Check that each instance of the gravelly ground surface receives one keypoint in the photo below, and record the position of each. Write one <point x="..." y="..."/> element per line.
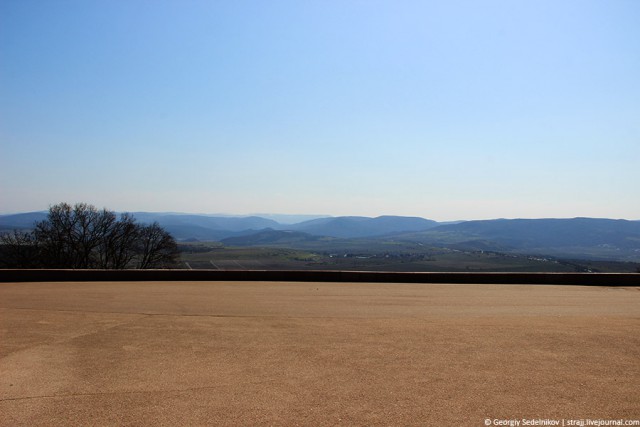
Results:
<point x="259" y="353"/>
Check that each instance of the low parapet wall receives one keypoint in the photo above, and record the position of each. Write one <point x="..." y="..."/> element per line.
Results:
<point x="583" y="279"/>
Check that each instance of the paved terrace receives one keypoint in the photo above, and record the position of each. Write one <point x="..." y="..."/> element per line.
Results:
<point x="301" y="353"/>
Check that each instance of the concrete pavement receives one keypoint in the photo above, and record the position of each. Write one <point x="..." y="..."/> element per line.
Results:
<point x="274" y="353"/>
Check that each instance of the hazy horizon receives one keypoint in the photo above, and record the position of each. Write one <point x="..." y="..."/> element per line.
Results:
<point x="443" y="110"/>
<point x="288" y="218"/>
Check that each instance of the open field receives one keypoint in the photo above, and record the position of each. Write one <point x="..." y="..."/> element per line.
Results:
<point x="374" y="256"/>
<point x="274" y="353"/>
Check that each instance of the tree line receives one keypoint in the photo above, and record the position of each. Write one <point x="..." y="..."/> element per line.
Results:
<point x="82" y="236"/>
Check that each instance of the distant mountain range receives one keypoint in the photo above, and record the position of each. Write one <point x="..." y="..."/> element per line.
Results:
<point x="585" y="238"/>
<point x="360" y="226"/>
<point x="21" y="221"/>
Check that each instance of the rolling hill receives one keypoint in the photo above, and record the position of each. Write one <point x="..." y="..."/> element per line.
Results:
<point x="271" y="237"/>
<point x="580" y="238"/>
<point x="589" y="238"/>
<point x="232" y="223"/>
<point x="21" y="221"/>
<point x="203" y="227"/>
<point x="359" y="226"/>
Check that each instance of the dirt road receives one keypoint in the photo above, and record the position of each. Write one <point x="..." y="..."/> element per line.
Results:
<point x="271" y="353"/>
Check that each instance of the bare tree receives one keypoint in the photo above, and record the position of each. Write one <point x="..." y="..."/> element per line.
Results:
<point x="19" y="249"/>
<point x="156" y="248"/>
<point x="70" y="235"/>
<point x="118" y="247"/>
<point x="82" y="236"/>
<point x="54" y="236"/>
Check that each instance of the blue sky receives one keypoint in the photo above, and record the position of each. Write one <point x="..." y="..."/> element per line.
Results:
<point x="445" y="109"/>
